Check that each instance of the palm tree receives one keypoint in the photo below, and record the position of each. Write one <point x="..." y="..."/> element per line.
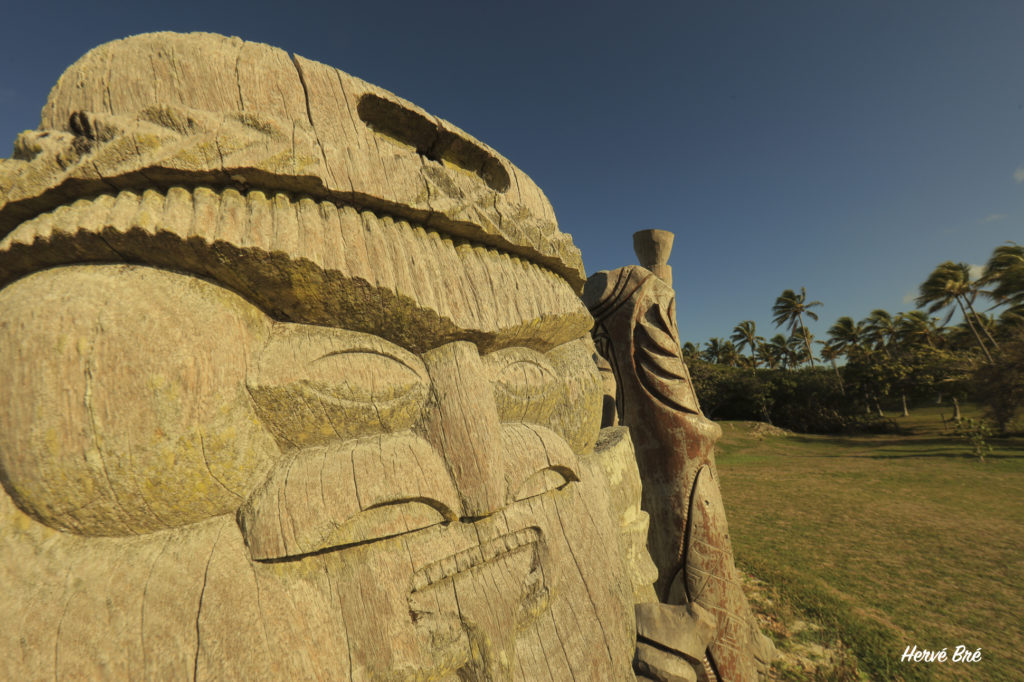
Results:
<point x="846" y="335"/>
<point x="951" y="283"/>
<point x="985" y="323"/>
<point x="789" y="309"/>
<point x="797" y="344"/>
<point x="728" y="355"/>
<point x="767" y="354"/>
<point x="777" y="346"/>
<point x="1012" y="318"/>
<point x="744" y="335"/>
<point x="917" y="327"/>
<point x="712" y="350"/>
<point x="830" y="353"/>
<point x="1006" y="269"/>
<point x="880" y="330"/>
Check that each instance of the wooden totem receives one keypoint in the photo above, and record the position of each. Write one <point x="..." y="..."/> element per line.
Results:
<point x="295" y="383"/>
<point x="635" y="332"/>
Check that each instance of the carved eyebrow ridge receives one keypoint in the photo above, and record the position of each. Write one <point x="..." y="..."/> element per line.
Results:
<point x="160" y="228"/>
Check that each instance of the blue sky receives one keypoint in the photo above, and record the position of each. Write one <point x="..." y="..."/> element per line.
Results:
<point x="846" y="147"/>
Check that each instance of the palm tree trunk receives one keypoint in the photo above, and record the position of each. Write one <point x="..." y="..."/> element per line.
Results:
<point x="807" y="340"/>
<point x="971" y="306"/>
<point x="973" y="330"/>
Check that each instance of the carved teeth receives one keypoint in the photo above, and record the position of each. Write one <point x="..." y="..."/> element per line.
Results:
<point x="434" y="572"/>
<point x="491" y="550"/>
<point x="419" y="581"/>
<point x="472" y="557"/>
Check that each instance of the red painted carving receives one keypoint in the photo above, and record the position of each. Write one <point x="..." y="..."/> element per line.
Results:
<point x="636" y="333"/>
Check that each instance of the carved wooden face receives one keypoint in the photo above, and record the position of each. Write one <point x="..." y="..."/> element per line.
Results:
<point x="352" y="374"/>
<point x="445" y="494"/>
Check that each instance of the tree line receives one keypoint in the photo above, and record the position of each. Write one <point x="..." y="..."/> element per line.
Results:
<point x="906" y="357"/>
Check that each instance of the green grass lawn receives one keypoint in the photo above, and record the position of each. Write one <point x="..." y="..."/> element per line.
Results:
<point x="885" y="541"/>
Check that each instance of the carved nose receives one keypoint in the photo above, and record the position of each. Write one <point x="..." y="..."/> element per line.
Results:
<point x="463" y="425"/>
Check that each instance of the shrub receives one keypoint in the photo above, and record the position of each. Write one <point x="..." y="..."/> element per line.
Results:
<point x="976" y="433"/>
<point x="806" y="400"/>
<point x="999" y="386"/>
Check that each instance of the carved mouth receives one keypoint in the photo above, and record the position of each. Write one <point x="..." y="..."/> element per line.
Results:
<point x="471" y="607"/>
<point x="468" y="559"/>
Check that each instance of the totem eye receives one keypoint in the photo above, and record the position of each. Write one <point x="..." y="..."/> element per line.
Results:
<point x="526" y="385"/>
<point x="314" y="385"/>
<point x="521" y="370"/>
<point x="524" y="374"/>
<point x="363" y="376"/>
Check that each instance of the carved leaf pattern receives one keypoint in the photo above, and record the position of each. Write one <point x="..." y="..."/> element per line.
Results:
<point x="658" y="360"/>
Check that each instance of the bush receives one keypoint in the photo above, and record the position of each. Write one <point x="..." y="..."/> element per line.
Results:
<point x="976" y="433"/>
<point x="729" y="392"/>
<point x="999" y="386"/>
<point x="805" y="400"/>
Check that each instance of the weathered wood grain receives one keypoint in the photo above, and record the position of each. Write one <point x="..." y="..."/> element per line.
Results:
<point x="295" y="384"/>
<point x="195" y="109"/>
<point x="689" y="542"/>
